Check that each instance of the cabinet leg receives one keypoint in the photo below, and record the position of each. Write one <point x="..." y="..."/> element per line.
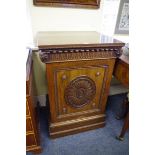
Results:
<point x="124" y="110"/>
<point x="125" y="127"/>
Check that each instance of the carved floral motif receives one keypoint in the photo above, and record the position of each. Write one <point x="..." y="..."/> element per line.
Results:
<point x="80" y="91"/>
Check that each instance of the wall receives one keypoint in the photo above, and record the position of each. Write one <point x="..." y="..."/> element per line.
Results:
<point x="65" y="19"/>
<point x="72" y="19"/>
<point x="68" y="19"/>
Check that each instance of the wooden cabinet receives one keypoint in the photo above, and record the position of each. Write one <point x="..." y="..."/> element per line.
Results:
<point x="78" y="76"/>
<point x="32" y="133"/>
<point x="121" y="70"/>
<point x="78" y="91"/>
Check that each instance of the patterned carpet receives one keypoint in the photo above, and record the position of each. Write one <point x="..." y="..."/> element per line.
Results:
<point x="95" y="142"/>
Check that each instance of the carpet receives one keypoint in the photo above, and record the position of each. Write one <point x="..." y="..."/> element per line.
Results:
<point x="95" y="142"/>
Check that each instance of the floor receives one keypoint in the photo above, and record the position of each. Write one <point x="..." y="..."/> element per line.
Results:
<point x="95" y="142"/>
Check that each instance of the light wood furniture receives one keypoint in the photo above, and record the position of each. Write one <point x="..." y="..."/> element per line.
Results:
<point x="32" y="132"/>
<point x="79" y="67"/>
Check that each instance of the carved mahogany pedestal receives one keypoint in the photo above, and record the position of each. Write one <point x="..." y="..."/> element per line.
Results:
<point x="79" y="68"/>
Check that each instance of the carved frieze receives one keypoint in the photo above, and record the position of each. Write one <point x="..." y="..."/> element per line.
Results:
<point x="65" y="54"/>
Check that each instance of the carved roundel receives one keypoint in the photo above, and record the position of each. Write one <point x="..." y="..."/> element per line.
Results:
<point x="80" y="91"/>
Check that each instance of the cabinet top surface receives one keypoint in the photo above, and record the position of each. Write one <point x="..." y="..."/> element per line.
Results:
<point x="56" y="38"/>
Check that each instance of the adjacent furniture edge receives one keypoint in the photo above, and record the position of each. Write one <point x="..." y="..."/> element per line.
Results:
<point x="121" y="70"/>
<point x="32" y="130"/>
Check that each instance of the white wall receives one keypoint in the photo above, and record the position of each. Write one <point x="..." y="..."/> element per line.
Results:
<point x="73" y="19"/>
<point x="64" y="19"/>
<point x="109" y="16"/>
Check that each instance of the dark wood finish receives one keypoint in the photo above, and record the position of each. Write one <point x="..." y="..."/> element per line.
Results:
<point x="74" y="54"/>
<point x="79" y="118"/>
<point x="32" y="133"/>
<point x="125" y="127"/>
<point x="78" y="77"/>
<point x="80" y="91"/>
<point x="89" y="45"/>
<point x="124" y="109"/>
<point x="121" y="72"/>
<point x="92" y="4"/>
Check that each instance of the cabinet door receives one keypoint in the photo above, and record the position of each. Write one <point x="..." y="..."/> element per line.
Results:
<point x="78" y="91"/>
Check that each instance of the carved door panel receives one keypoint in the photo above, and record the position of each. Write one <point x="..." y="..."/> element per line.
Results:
<point x="78" y="90"/>
<point x="78" y="93"/>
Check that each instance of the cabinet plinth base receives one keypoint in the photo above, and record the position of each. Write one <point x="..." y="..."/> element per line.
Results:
<point x="70" y="127"/>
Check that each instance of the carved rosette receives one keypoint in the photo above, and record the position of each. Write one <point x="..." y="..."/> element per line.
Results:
<point x="80" y="92"/>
